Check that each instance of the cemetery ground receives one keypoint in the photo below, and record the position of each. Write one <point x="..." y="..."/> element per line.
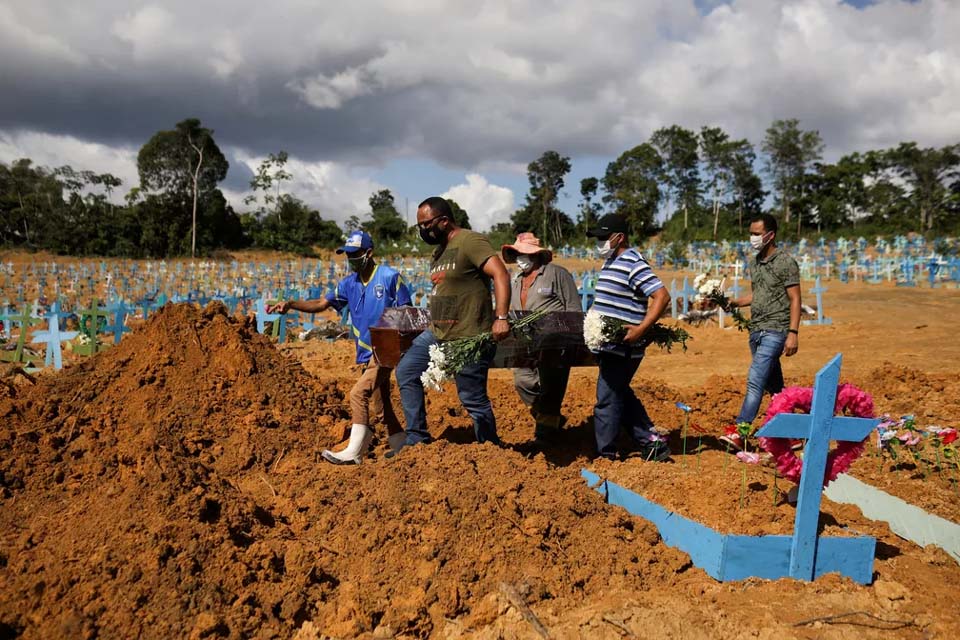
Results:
<point x="171" y="487"/>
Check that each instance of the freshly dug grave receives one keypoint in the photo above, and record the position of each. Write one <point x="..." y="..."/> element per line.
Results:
<point x="168" y="487"/>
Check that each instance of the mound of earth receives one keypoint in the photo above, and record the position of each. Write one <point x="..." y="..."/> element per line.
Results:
<point x="169" y="487"/>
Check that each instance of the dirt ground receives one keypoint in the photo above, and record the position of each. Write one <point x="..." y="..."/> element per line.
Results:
<point x="171" y="487"/>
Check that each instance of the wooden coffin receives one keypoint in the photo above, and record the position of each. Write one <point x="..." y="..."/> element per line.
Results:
<point x="556" y="339"/>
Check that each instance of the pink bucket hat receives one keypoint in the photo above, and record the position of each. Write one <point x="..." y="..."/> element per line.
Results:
<point x="526" y="243"/>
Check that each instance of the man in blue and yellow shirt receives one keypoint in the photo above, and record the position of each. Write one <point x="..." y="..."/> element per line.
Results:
<point x="366" y="292"/>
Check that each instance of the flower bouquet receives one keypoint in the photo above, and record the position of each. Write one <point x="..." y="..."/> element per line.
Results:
<point x="710" y="291"/>
<point x="599" y="329"/>
<point x="448" y="358"/>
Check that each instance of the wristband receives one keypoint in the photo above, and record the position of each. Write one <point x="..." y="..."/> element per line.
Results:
<point x="503" y="317"/>
<point x="793" y="331"/>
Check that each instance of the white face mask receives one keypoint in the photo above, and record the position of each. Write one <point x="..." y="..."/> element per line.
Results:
<point x="604" y="250"/>
<point x="756" y="241"/>
<point x="525" y="263"/>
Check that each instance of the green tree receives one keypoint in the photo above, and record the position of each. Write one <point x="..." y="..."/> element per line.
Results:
<point x="680" y="166"/>
<point x="632" y="187"/>
<point x="180" y="167"/>
<point x="589" y="209"/>
<point x="546" y="175"/>
<point x="460" y="216"/>
<point x="928" y="173"/>
<point x="747" y="186"/>
<point x="385" y="223"/>
<point x="269" y="179"/>
<point x="790" y="154"/>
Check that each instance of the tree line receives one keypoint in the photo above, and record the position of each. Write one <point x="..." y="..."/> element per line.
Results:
<point x="707" y="184"/>
<point x="703" y="184"/>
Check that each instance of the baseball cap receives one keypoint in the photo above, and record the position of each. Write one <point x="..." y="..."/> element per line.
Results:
<point x="357" y="241"/>
<point x="608" y="225"/>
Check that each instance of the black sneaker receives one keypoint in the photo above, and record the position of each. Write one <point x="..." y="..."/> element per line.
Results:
<point x="656" y="451"/>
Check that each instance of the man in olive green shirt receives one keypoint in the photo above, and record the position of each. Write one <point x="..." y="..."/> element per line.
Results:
<point x="541" y="285"/>
<point x="463" y="269"/>
<point x="774" y="318"/>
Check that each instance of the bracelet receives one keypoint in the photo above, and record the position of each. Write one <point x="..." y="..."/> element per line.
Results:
<point x="793" y="331"/>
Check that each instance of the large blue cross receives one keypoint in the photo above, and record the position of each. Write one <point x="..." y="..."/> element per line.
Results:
<point x="818" y="427"/>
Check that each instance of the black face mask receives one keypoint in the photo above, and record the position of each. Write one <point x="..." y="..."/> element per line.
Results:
<point x="430" y="235"/>
<point x="358" y="264"/>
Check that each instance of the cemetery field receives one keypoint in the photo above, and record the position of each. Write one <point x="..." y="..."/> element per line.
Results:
<point x="171" y="486"/>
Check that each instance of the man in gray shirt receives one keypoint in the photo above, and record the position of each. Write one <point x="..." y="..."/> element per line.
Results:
<point x="540" y="284"/>
<point x="774" y="318"/>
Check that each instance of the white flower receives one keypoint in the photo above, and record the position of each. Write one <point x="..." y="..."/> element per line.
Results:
<point x="699" y="280"/>
<point x="435" y="375"/>
<point x="593" y="330"/>
<point x="706" y="288"/>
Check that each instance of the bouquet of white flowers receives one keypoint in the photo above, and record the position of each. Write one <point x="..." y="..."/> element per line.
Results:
<point x="448" y="358"/>
<point x="599" y="329"/>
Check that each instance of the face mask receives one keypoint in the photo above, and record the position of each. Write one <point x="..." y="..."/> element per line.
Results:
<point x="756" y="241"/>
<point x="358" y="264"/>
<point x="604" y="250"/>
<point x="525" y="263"/>
<point x="430" y="235"/>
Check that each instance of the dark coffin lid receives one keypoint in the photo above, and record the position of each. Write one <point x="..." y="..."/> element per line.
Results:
<point x="556" y="339"/>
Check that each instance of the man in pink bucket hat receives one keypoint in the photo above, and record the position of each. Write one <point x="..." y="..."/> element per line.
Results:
<point x="540" y="284"/>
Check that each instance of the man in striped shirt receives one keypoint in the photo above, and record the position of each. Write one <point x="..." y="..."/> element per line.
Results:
<point x="628" y="290"/>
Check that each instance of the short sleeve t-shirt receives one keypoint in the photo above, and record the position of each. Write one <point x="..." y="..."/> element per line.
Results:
<point x="624" y="287"/>
<point x="366" y="301"/>
<point x="460" y="303"/>
<point x="770" y="309"/>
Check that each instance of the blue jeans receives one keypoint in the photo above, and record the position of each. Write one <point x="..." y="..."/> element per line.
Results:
<point x="471" y="388"/>
<point x="617" y="405"/>
<point x="765" y="372"/>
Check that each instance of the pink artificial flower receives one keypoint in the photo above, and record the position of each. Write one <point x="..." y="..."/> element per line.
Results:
<point x="749" y="458"/>
<point x="910" y="438"/>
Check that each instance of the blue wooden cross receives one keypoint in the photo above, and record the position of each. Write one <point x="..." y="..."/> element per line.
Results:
<point x="818" y="428"/>
<point x="818" y="290"/>
<point x="120" y="311"/>
<point x="52" y="336"/>
<point x="688" y="292"/>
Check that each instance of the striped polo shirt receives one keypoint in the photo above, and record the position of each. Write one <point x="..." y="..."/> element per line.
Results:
<point x="623" y="288"/>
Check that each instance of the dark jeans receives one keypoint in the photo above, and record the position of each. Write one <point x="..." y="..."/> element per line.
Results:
<point x="618" y="406"/>
<point x="765" y="372"/>
<point x="471" y="388"/>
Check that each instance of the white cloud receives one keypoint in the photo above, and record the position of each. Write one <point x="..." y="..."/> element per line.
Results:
<point x="485" y="203"/>
<point x="474" y="85"/>
<point x="52" y="151"/>
<point x="336" y="191"/>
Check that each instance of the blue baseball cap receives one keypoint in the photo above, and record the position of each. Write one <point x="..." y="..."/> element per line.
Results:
<point x="357" y="241"/>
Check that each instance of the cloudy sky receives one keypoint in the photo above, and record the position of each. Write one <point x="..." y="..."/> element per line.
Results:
<point x="430" y="97"/>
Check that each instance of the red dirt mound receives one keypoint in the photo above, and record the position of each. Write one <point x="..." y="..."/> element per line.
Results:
<point x="168" y="488"/>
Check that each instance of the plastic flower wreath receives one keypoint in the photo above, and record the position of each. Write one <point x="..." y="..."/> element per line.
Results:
<point x="850" y="401"/>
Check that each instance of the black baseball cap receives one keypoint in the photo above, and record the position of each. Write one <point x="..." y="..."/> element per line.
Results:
<point x="607" y="226"/>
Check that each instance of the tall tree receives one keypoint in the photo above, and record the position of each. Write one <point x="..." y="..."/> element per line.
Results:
<point x="385" y="223"/>
<point x="791" y="153"/>
<point x="747" y="186"/>
<point x="717" y="153"/>
<point x="927" y="172"/>
<point x="181" y="166"/>
<point x="678" y="150"/>
<point x="269" y="178"/>
<point x="632" y="189"/>
<point x="460" y="216"/>
<point x="589" y="210"/>
<point x="546" y="175"/>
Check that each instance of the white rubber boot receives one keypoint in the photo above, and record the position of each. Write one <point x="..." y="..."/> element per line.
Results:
<point x="360" y="437"/>
<point x="397" y="441"/>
